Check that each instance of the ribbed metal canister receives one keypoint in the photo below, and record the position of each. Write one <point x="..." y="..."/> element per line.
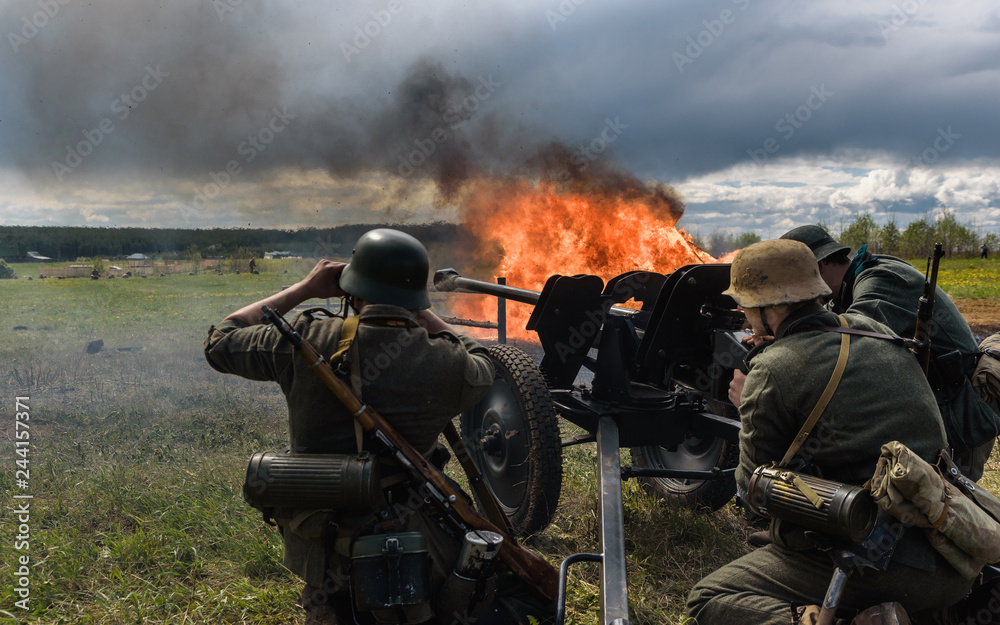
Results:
<point x="847" y="511"/>
<point x="339" y="481"/>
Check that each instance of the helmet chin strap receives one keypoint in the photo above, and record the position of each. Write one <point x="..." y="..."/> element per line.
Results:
<point x="763" y="319"/>
<point x="349" y="300"/>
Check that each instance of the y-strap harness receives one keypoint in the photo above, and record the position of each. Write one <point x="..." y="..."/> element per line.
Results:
<point x="817" y="411"/>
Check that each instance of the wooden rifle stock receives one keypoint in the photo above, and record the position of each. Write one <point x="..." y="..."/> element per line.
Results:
<point x="531" y="568"/>
<point x="925" y="311"/>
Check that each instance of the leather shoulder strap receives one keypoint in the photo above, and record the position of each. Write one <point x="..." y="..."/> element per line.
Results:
<point x="347" y="333"/>
<point x="824" y="399"/>
<point x="892" y="338"/>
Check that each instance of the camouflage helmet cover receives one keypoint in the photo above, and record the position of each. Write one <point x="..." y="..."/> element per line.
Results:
<point x="770" y="273"/>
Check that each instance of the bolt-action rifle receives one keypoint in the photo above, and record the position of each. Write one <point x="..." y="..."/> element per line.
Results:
<point x="527" y="565"/>
<point x="925" y="311"/>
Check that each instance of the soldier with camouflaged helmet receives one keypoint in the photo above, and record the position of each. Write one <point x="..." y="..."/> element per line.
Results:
<point x="410" y="366"/>
<point x="778" y="285"/>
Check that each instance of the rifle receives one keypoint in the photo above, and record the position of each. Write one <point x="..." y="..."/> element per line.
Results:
<point x="527" y="565"/>
<point x="925" y="311"/>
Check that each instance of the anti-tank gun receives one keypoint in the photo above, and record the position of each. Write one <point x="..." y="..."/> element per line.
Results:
<point x="660" y="377"/>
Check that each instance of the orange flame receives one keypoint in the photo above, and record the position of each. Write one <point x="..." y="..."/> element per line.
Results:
<point x="544" y="229"/>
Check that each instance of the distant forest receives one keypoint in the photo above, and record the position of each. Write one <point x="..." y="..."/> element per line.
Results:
<point x="70" y="243"/>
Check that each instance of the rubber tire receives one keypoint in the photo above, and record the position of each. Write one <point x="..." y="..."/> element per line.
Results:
<point x="707" y="495"/>
<point x="531" y="447"/>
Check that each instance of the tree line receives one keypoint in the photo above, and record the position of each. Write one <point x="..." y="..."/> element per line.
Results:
<point x="73" y="242"/>
<point x="918" y="238"/>
<point x="914" y="241"/>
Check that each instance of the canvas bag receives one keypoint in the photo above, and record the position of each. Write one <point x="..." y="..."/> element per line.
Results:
<point x="916" y="493"/>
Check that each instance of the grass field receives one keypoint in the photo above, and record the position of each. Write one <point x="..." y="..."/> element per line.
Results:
<point x="138" y="452"/>
<point x="972" y="278"/>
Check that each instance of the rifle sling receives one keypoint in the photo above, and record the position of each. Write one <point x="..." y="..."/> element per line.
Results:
<point x="824" y="399"/>
<point x="347" y="333"/>
<point x="892" y="338"/>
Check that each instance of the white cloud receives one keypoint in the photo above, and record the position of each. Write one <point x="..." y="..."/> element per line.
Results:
<point x="790" y="192"/>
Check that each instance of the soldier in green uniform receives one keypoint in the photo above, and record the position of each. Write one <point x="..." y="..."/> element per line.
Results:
<point x="778" y="284"/>
<point x="886" y="289"/>
<point x="410" y="366"/>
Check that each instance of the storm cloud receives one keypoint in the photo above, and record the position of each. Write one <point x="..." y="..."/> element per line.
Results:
<point x="297" y="113"/>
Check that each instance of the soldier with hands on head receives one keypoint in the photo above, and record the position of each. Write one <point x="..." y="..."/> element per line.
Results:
<point x="778" y="285"/>
<point x="411" y="367"/>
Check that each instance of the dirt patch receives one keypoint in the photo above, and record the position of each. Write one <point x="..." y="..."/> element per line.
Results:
<point x="982" y="315"/>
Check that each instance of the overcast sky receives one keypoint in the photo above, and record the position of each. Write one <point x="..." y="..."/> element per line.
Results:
<point x="764" y="115"/>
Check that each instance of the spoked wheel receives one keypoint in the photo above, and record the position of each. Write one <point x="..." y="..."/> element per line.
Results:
<point x="695" y="453"/>
<point x="513" y="437"/>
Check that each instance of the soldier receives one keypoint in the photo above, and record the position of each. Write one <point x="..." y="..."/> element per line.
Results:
<point x="887" y="290"/>
<point x="407" y="364"/>
<point x="777" y="283"/>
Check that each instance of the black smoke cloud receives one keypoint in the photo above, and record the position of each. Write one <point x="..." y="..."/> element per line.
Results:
<point x="896" y="81"/>
<point x="174" y="90"/>
<point x="182" y="91"/>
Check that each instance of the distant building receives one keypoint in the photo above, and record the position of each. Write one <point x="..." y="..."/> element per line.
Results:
<point x="277" y="254"/>
<point x="138" y="261"/>
<point x="9" y="252"/>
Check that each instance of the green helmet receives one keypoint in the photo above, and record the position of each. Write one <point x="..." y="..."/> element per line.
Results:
<point x="818" y="240"/>
<point x="769" y="273"/>
<point x="388" y="267"/>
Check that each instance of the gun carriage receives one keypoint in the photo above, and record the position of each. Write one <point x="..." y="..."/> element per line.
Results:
<point x="659" y="386"/>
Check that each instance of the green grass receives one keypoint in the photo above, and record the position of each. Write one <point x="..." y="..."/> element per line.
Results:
<point x="137" y="458"/>
<point x="972" y="278"/>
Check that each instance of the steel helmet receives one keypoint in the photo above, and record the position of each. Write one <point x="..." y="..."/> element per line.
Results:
<point x="818" y="240"/>
<point x="769" y="273"/>
<point x="388" y="267"/>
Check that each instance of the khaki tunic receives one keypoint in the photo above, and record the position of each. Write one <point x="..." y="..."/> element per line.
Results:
<point x="882" y="396"/>
<point x="417" y="381"/>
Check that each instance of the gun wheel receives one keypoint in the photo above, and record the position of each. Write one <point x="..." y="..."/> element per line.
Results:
<point x="695" y="453"/>
<point x="513" y="437"/>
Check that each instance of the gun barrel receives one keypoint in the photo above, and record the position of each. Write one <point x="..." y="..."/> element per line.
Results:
<point x="451" y="280"/>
